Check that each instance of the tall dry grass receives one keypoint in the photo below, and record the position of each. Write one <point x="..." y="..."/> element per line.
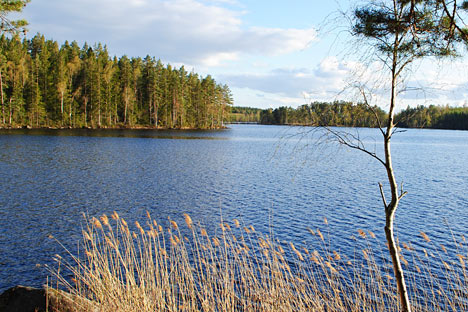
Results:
<point x="150" y="268"/>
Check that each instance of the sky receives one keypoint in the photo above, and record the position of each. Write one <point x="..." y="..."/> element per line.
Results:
<point x="270" y="53"/>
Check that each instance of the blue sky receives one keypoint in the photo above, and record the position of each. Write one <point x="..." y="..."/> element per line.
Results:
<point x="271" y="53"/>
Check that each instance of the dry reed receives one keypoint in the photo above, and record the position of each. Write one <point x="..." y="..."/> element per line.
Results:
<point x="156" y="269"/>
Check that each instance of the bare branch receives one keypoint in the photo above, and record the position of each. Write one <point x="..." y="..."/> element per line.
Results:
<point x="403" y="66"/>
<point x="343" y="139"/>
<point x="402" y="193"/>
<point x="396" y="130"/>
<point x="366" y="102"/>
<point x="382" y="194"/>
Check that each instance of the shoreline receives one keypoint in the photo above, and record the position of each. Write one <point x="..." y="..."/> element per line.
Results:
<point x="110" y="128"/>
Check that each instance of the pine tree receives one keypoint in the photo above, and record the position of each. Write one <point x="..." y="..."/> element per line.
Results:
<point x="7" y="25"/>
<point x="44" y="85"/>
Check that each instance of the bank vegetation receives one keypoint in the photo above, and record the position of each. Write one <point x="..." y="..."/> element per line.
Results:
<point x="43" y="84"/>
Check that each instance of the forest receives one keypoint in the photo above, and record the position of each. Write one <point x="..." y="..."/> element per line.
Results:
<point x="338" y="113"/>
<point x="436" y="117"/>
<point x="347" y="114"/>
<point x="244" y="114"/>
<point x="44" y="85"/>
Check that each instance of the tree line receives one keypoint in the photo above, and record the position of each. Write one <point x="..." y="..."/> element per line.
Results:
<point x="347" y="114"/>
<point x="244" y="114"/>
<point x="44" y="85"/>
<point x="436" y="117"/>
<point x="338" y="113"/>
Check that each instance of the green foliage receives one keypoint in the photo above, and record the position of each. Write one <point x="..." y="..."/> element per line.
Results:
<point x="7" y="25"/>
<point x="411" y="29"/>
<point x="464" y="5"/>
<point x="244" y="114"/>
<point x="437" y="117"/>
<point x="344" y="114"/>
<point x="453" y="16"/>
<point x="45" y="85"/>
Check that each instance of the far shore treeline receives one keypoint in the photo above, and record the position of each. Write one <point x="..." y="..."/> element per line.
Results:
<point x="347" y="114"/>
<point x="44" y="85"/>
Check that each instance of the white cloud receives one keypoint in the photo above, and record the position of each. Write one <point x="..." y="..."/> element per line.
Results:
<point x="331" y="67"/>
<point x="323" y="82"/>
<point x="275" y="41"/>
<point x="264" y="100"/>
<point x="189" y="31"/>
<point x="428" y="82"/>
<point x="333" y="79"/>
<point x="138" y="3"/>
<point x="212" y="33"/>
<point x="218" y="59"/>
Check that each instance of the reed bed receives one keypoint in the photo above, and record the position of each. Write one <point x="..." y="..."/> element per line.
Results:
<point x="122" y="267"/>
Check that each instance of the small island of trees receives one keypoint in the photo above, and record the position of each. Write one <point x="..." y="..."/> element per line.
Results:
<point x="44" y="85"/>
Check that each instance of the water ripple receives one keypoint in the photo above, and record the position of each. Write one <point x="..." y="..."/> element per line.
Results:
<point x="264" y="176"/>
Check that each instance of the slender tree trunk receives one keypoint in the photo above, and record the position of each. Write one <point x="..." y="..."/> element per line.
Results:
<point x="91" y="107"/>
<point x="135" y="102"/>
<point x="126" y="105"/>
<point x="10" y="112"/>
<point x="116" y="113"/>
<point x="37" y="97"/>
<point x="390" y="211"/>
<point x="174" y="110"/>
<point x="70" y="113"/>
<point x="391" y="208"/>
<point x="99" y="95"/>
<point x="71" y="102"/>
<point x="181" y="108"/>
<point x="150" y="109"/>
<point x="155" y="114"/>
<point x="223" y="107"/>
<point x="1" y="92"/>
<point x="61" y="104"/>
<point x="108" y="103"/>
<point x="86" y="111"/>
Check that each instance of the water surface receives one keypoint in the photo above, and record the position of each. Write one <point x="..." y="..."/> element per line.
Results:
<point x="275" y="178"/>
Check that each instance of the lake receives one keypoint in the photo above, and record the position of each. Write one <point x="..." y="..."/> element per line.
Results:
<point x="280" y="179"/>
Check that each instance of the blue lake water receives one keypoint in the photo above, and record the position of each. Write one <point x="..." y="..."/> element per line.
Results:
<point x="283" y="179"/>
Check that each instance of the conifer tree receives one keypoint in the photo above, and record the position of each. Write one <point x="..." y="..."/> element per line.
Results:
<point x="8" y="25"/>
<point x="44" y="85"/>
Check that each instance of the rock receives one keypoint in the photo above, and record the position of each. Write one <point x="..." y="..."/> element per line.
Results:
<point x="23" y="299"/>
<point x="28" y="299"/>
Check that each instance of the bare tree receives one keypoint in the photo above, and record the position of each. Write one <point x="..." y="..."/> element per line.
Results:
<point x="398" y="32"/>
